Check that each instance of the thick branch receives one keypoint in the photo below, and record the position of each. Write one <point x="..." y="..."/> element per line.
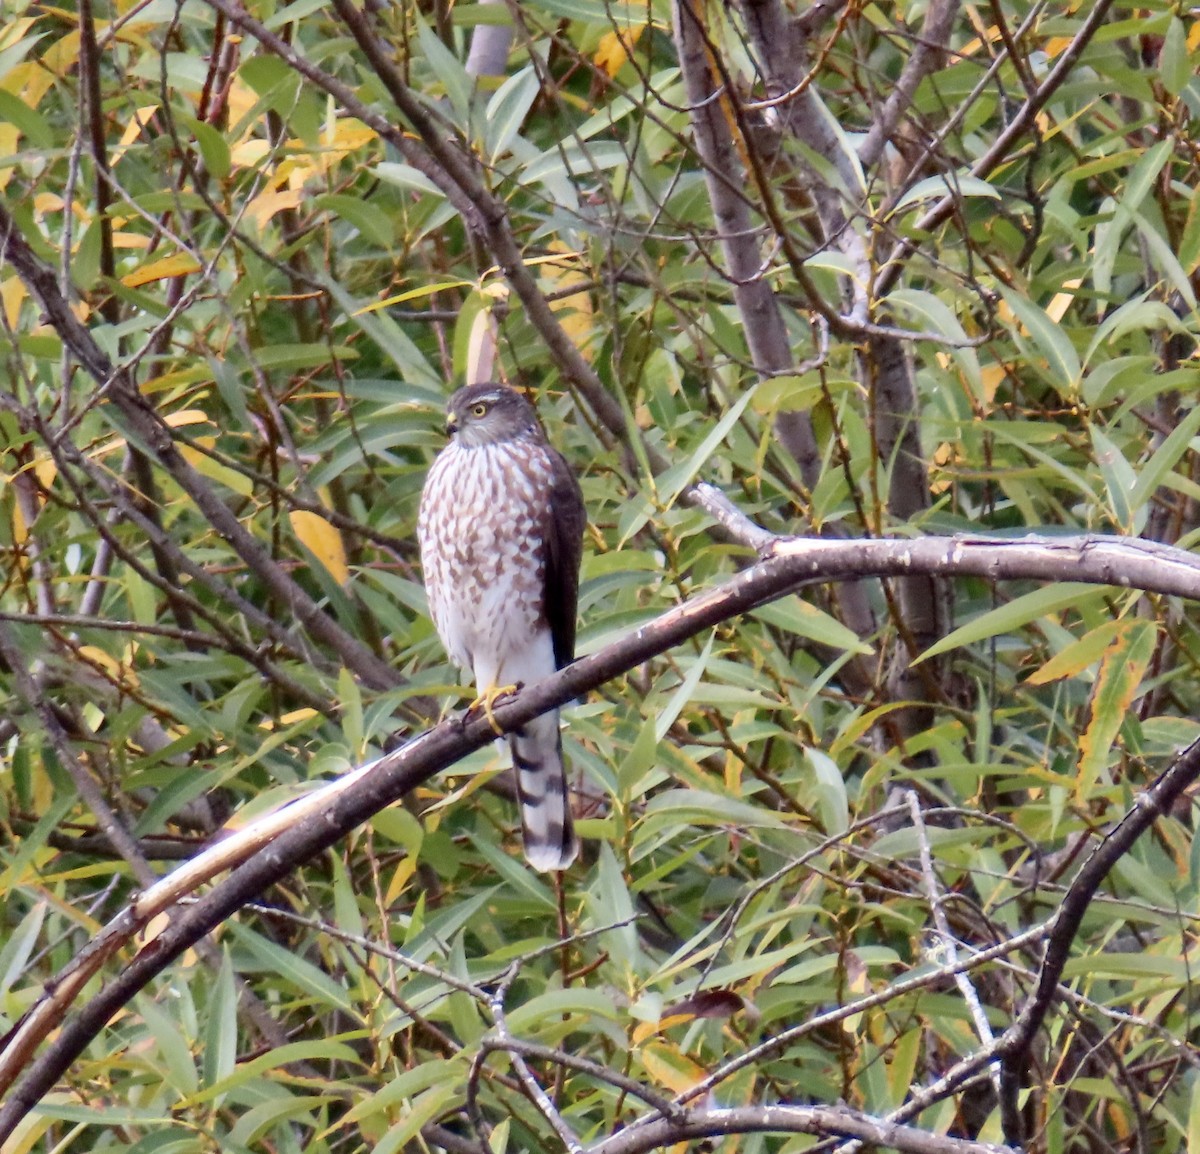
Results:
<point x="1126" y="563"/>
<point x="762" y="320"/>
<point x="824" y="1121"/>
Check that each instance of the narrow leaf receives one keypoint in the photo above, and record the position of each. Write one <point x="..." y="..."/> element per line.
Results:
<point x="1051" y="341"/>
<point x="1008" y="618"/>
<point x="1120" y="678"/>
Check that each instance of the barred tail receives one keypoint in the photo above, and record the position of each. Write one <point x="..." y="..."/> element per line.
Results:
<point x="550" y="842"/>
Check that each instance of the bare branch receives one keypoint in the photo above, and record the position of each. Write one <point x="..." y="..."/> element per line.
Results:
<point x="1013" y="133"/>
<point x="926" y="57"/>
<point x="762" y="320"/>
<point x="345" y="804"/>
<point x="839" y="1121"/>
<point x="1148" y="807"/>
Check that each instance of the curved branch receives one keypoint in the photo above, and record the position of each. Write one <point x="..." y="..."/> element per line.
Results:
<point x="331" y="813"/>
<point x="824" y="1121"/>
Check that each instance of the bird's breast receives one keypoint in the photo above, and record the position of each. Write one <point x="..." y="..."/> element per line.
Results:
<point x="483" y="547"/>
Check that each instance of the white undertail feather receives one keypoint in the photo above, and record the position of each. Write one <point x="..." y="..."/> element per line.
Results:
<point x="550" y="842"/>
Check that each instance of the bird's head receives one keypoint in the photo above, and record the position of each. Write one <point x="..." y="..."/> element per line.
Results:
<point x="489" y="414"/>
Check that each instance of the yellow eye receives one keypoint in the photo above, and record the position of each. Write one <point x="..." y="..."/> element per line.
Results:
<point x="479" y="410"/>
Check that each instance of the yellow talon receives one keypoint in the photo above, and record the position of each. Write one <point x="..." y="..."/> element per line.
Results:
<point x="487" y="700"/>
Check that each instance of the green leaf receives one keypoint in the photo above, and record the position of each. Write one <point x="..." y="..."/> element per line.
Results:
<point x="1053" y="599"/>
<point x="12" y="54"/>
<point x="1119" y="479"/>
<point x="178" y="1065"/>
<point x="832" y="803"/>
<point x="372" y="222"/>
<point x="290" y="966"/>
<point x="960" y="184"/>
<point x="278" y="1057"/>
<point x="1163" y="256"/>
<point x="668" y="715"/>
<point x="214" y="148"/>
<point x="697" y="807"/>
<point x="574" y="160"/>
<point x="679" y="477"/>
<point x="406" y="1085"/>
<point x="1051" y="341"/>
<point x="425" y="1107"/>
<point x="535" y="1014"/>
<point x="507" y="109"/>
<point x="1152" y="475"/>
<point x="18" y="947"/>
<point x="448" y="70"/>
<point x="407" y="177"/>
<point x="1174" y="64"/>
<point x="798" y="616"/>
<point x="31" y="123"/>
<point x="609" y="904"/>
<point x="594" y="11"/>
<point x="220" y="1027"/>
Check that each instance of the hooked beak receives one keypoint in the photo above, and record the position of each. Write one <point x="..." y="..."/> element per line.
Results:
<point x="451" y="424"/>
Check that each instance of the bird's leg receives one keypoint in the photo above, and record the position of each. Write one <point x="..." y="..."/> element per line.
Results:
<point x="487" y="701"/>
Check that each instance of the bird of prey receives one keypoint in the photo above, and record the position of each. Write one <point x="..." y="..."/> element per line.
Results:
<point x="501" y="532"/>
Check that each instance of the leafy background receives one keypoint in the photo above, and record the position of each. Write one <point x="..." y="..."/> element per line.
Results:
<point x="293" y="294"/>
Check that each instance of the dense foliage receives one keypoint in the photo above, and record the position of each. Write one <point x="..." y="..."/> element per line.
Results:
<point x="873" y="270"/>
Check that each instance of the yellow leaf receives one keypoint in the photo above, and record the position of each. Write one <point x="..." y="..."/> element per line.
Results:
<point x="321" y="539"/>
<point x="9" y="137"/>
<point x="616" y="47"/>
<point x="63" y="55"/>
<point x="241" y="99"/>
<point x="645" y="1030"/>
<point x="14" y="31"/>
<point x="574" y="309"/>
<point x="1119" y="681"/>
<point x="215" y="471"/>
<point x="186" y="417"/>
<point x="106" y="661"/>
<point x="481" y="347"/>
<point x="12" y="294"/>
<point x="30" y="81"/>
<point x="1076" y="657"/>
<point x="293" y="717"/>
<point x="262" y="208"/>
<point x="668" y="1067"/>
<point x="181" y="264"/>
<point x="133" y="130"/>
<point x="249" y="152"/>
<point x="304" y="161"/>
<point x="45" y="470"/>
<point x="1062" y="301"/>
<point x="399" y="881"/>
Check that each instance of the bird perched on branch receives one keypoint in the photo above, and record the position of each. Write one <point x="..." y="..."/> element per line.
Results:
<point x="501" y="532"/>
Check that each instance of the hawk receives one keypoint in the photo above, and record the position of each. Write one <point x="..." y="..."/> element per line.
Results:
<point x="501" y="533"/>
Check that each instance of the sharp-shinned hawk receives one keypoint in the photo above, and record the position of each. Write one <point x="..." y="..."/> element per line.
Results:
<point x="501" y="531"/>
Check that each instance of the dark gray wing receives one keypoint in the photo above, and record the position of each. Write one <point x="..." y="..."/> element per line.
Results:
<point x="565" y="524"/>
